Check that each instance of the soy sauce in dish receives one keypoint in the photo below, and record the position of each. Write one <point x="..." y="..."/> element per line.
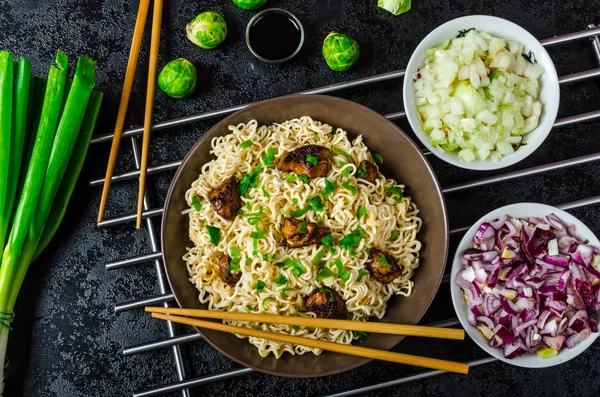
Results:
<point x="274" y="36"/>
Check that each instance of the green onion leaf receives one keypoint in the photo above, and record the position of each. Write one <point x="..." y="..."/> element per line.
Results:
<point x="395" y="234"/>
<point x="328" y="241"/>
<point x="281" y="280"/>
<point x="341" y="163"/>
<point x="346" y="171"/>
<point x="340" y="267"/>
<point x="234" y="266"/>
<point x="313" y="160"/>
<point x="316" y="136"/>
<point x="361" y="273"/>
<point x="267" y="194"/>
<point x="385" y="262"/>
<point x="265" y="257"/>
<point x="268" y="298"/>
<point x="360" y="335"/>
<point x="377" y="158"/>
<point x="325" y="273"/>
<point x="259" y="286"/>
<point x="246" y="144"/>
<point x="249" y="307"/>
<point x="302" y="229"/>
<point x="250" y="180"/>
<point x="317" y="257"/>
<point x="300" y="212"/>
<point x="269" y="158"/>
<point x="397" y="190"/>
<point x="348" y="186"/>
<point x="304" y="178"/>
<point x="290" y="178"/>
<point x="283" y="291"/>
<point x="351" y="240"/>
<point x="214" y="233"/>
<point x="295" y="201"/>
<point x="248" y="261"/>
<point x="345" y="275"/>
<point x="340" y="151"/>
<point x="328" y="292"/>
<point x="299" y="268"/>
<point x="295" y="328"/>
<point x="361" y="212"/>
<point x="257" y="327"/>
<point x="362" y="171"/>
<point x="329" y="187"/>
<point x="315" y="203"/>
<point x="196" y="203"/>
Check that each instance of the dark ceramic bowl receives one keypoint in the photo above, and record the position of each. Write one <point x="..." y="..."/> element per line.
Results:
<point x="403" y="162"/>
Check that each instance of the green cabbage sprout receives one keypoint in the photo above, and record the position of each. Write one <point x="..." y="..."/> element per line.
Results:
<point x="249" y="4"/>
<point x="340" y="51"/>
<point x="178" y="78"/>
<point x="396" y="7"/>
<point x="207" y="30"/>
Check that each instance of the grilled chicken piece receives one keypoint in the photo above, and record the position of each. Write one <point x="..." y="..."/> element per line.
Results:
<point x="226" y="199"/>
<point x="367" y="171"/>
<point x="227" y="275"/>
<point x="296" y="161"/>
<point x="383" y="267"/>
<point x="293" y="238"/>
<point x="327" y="304"/>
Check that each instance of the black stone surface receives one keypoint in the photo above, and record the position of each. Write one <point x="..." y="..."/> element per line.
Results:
<point x="67" y="340"/>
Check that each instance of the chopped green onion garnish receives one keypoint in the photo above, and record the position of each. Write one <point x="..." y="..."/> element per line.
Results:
<point x="246" y="144"/>
<point x="395" y="234"/>
<point x="377" y="158"/>
<point x="340" y="151"/>
<point x="348" y="186"/>
<point x="249" y="307"/>
<point x="361" y="273"/>
<point x="313" y="160"/>
<point x="267" y="194"/>
<point x="316" y="136"/>
<point x="328" y="241"/>
<point x="341" y="163"/>
<point x="346" y="171"/>
<point x="235" y="252"/>
<point x="329" y="293"/>
<point x="302" y="229"/>
<point x="325" y="273"/>
<point x="362" y="171"/>
<point x="360" y="335"/>
<point x="295" y="328"/>
<point x="265" y="257"/>
<point x="290" y="178"/>
<point x="351" y="240"/>
<point x="345" y="275"/>
<point x="315" y="203"/>
<point x="361" y="212"/>
<point x="395" y="190"/>
<point x="304" y="178"/>
<point x="295" y="201"/>
<point x="196" y="203"/>
<point x="283" y="291"/>
<point x="385" y="262"/>
<point x="281" y="280"/>
<point x="340" y="267"/>
<point x="269" y="158"/>
<point x="250" y="180"/>
<point x="300" y="212"/>
<point x="259" y="286"/>
<point x="329" y="187"/>
<point x="317" y="257"/>
<point x="215" y="234"/>
<point x="257" y="327"/>
<point x="268" y="298"/>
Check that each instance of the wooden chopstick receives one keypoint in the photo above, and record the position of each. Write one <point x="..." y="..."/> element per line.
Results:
<point x="134" y="52"/>
<point x="381" y="328"/>
<point x="352" y="350"/>
<point x="154" y="46"/>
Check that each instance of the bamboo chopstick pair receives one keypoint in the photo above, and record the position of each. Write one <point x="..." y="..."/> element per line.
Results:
<point x="134" y="52"/>
<point x="172" y="314"/>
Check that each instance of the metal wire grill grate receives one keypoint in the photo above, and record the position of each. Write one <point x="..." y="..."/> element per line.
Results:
<point x="174" y="341"/>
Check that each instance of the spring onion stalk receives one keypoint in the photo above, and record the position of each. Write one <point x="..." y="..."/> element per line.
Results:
<point x="32" y="187"/>
<point x="67" y="185"/>
<point x="6" y="116"/>
<point x="19" y="132"/>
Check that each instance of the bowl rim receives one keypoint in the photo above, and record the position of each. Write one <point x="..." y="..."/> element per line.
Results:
<point x="527" y="209"/>
<point x="548" y="118"/>
<point x="207" y="136"/>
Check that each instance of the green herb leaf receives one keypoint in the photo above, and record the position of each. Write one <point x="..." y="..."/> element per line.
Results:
<point x="345" y="275"/>
<point x="215" y="234"/>
<point x="328" y="241"/>
<point x="397" y="190"/>
<point x="250" y="180"/>
<point x="246" y="144"/>
<point x="196" y="203"/>
<point x="463" y="33"/>
<point x="530" y="57"/>
<point x="361" y="273"/>
<point x="377" y="158"/>
<point x="295" y="328"/>
<point x="360" y="335"/>
<point x="259" y="286"/>
<point x="302" y="229"/>
<point x="234" y="266"/>
<point x="283" y="291"/>
<point x="346" y="171"/>
<point x="385" y="262"/>
<point x="361" y="212"/>
<point x="300" y="212"/>
<point x="267" y="194"/>
<point x="328" y="292"/>
<point x="340" y="151"/>
<point x="362" y="171"/>
<point x="395" y="234"/>
<point x="304" y="178"/>
<point x="268" y="298"/>
<point x="269" y="157"/>
<point x="317" y="258"/>
<point x="313" y="160"/>
<point x="348" y="186"/>
<point x="351" y="240"/>
<point x="299" y="268"/>
<point x="325" y="273"/>
<point x="235" y="252"/>
<point x="295" y="201"/>
<point x="281" y="280"/>
<point x="290" y="178"/>
<point x="329" y="187"/>
<point x="315" y="203"/>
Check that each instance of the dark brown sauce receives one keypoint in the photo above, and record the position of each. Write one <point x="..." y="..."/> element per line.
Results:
<point x="274" y="36"/>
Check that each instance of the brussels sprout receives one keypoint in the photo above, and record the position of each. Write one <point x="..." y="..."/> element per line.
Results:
<point x="396" y="7"/>
<point x="249" y="4"/>
<point x="207" y="30"/>
<point x="178" y="78"/>
<point x="340" y="51"/>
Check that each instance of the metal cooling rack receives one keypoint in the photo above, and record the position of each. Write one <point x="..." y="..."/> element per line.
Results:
<point x="173" y="341"/>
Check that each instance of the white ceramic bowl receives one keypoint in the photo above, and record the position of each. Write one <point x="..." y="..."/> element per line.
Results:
<point x="522" y="210"/>
<point x="549" y="90"/>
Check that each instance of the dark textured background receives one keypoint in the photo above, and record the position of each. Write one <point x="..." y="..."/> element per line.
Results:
<point x="67" y="340"/>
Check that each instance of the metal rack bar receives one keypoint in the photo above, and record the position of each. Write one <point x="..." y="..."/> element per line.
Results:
<point x="329" y="89"/>
<point x="175" y="341"/>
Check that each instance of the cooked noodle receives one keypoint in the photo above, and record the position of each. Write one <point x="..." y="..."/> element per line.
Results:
<point x="364" y="298"/>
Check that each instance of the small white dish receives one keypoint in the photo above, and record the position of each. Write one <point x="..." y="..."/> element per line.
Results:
<point x="549" y="87"/>
<point x="521" y="210"/>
